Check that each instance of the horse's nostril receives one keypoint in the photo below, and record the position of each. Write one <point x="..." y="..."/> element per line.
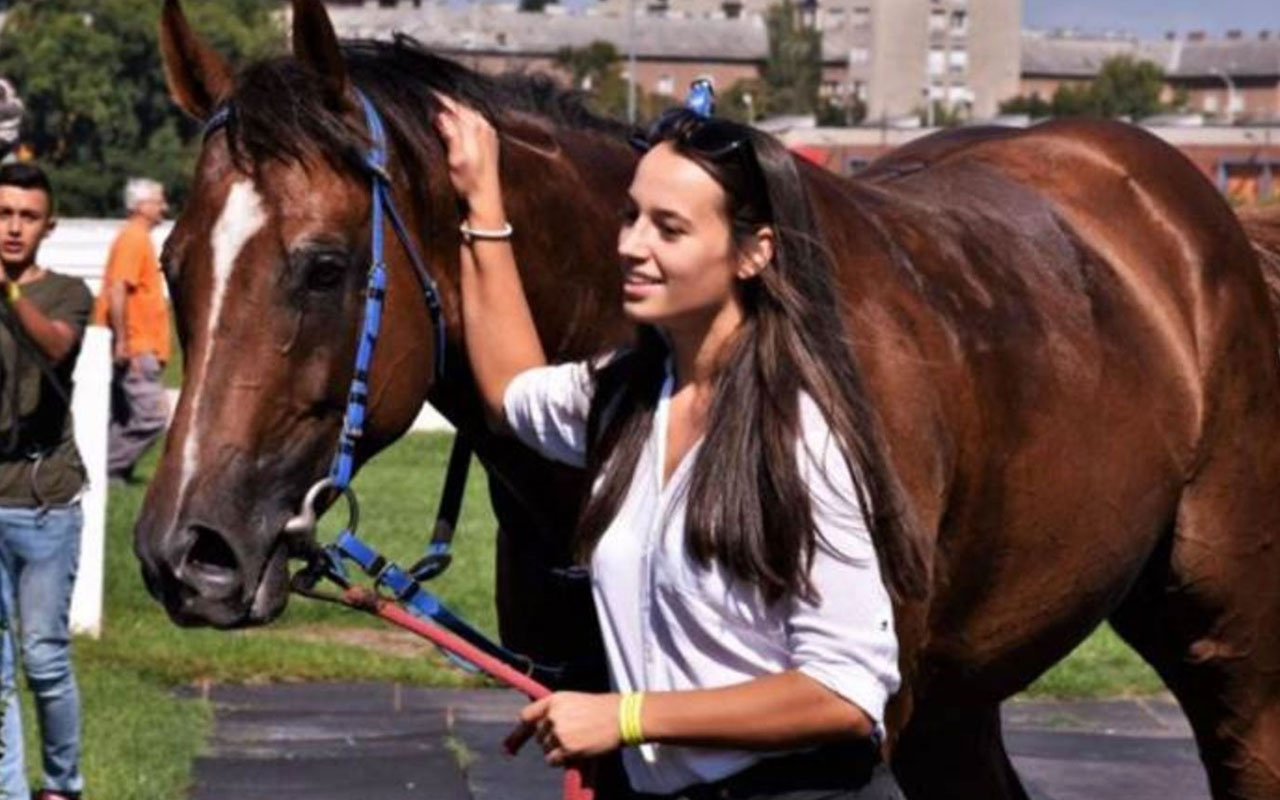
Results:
<point x="210" y="554"/>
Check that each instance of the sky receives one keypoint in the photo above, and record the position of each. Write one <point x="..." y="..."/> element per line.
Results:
<point x="1151" y="18"/>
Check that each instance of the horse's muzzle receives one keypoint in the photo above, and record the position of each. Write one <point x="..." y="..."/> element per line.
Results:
<point x="202" y="578"/>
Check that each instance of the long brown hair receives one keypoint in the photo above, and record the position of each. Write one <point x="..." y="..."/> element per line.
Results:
<point x="748" y="508"/>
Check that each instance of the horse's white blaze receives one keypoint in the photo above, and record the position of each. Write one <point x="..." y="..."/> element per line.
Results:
<point x="242" y="216"/>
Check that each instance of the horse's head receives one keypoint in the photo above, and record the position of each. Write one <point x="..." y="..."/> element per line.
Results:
<point x="266" y="269"/>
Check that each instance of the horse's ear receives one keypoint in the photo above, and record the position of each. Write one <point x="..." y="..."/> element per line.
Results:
<point x="199" y="79"/>
<point x="316" y="46"/>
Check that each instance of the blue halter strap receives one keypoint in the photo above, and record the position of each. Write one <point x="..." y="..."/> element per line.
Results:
<point x="383" y="210"/>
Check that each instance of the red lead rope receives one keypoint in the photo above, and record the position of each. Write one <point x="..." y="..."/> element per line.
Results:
<point x="576" y="783"/>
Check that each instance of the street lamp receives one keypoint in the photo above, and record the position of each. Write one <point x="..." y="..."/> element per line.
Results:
<point x="631" y="61"/>
<point x="1231" y="93"/>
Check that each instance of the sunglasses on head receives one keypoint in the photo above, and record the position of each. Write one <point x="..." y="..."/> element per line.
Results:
<point x="710" y="137"/>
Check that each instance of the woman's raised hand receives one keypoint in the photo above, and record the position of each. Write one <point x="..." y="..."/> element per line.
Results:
<point x="472" y="146"/>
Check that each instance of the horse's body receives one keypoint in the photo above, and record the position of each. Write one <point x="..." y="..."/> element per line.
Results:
<point x="1064" y="330"/>
<point x="1263" y="228"/>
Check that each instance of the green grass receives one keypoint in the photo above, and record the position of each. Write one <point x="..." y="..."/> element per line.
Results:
<point x="1102" y="666"/>
<point x="141" y="739"/>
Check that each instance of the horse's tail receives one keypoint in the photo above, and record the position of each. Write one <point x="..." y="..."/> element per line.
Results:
<point x="1263" y="229"/>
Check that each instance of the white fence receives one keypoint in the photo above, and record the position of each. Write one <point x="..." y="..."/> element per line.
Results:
<point x="78" y="247"/>
<point x="91" y="409"/>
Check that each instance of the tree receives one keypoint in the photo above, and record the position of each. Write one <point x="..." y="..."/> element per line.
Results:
<point x="1127" y="87"/>
<point x="1033" y="106"/>
<point x="1073" y="101"/>
<point x="597" y="68"/>
<point x="842" y="113"/>
<point x="97" y="109"/>
<point x="1124" y="87"/>
<point x="793" y="73"/>
<point x="947" y="115"/>
<point x="743" y="101"/>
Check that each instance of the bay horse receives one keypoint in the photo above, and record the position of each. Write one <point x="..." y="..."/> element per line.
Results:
<point x="1063" y="329"/>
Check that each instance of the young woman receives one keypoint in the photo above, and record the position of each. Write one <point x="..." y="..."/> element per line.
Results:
<point x="733" y="559"/>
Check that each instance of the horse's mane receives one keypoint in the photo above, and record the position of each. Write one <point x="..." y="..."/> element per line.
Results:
<point x="279" y="111"/>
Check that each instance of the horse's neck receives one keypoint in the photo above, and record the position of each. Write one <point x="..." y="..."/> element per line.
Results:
<point x="567" y="201"/>
<point x="562" y="199"/>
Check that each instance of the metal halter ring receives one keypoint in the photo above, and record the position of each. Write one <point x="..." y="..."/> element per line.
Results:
<point x="303" y="524"/>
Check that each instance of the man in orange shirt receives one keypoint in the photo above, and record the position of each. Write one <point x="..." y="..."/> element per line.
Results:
<point x="133" y="305"/>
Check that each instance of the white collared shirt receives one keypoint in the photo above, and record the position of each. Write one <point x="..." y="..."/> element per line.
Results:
<point x="669" y="624"/>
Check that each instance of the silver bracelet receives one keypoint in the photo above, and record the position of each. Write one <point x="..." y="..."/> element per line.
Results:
<point x="470" y="234"/>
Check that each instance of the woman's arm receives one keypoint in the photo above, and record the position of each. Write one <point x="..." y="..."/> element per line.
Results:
<point x="789" y="710"/>
<point x="501" y="339"/>
<point x="783" y="711"/>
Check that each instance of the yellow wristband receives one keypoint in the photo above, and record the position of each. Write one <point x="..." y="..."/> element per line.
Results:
<point x="14" y="291"/>
<point x="629" y="728"/>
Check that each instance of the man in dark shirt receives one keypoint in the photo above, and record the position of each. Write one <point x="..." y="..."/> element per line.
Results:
<point x="42" y="319"/>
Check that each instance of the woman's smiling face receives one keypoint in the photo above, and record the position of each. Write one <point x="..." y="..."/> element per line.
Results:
<point x="679" y="261"/>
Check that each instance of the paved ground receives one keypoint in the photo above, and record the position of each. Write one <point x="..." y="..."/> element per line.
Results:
<point x="379" y="742"/>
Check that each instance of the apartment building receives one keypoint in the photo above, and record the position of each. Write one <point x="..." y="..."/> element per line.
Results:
<point x="958" y="57"/>
<point x="1230" y="79"/>
<point x="900" y="57"/>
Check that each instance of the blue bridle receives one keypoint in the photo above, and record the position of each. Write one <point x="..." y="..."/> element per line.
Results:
<point x="383" y="210"/>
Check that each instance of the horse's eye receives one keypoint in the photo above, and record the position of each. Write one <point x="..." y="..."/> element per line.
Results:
<point x="325" y="271"/>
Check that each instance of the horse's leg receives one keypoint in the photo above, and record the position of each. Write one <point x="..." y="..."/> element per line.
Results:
<point x="955" y="753"/>
<point x="1205" y="614"/>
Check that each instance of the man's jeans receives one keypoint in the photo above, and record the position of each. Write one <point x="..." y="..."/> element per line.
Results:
<point x="39" y="553"/>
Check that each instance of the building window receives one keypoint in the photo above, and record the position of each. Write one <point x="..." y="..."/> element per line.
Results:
<point x="666" y="85"/>
<point x="937" y="62"/>
<point x="959" y="22"/>
<point x="859" y="55"/>
<point x="938" y="20"/>
<point x="1209" y="103"/>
